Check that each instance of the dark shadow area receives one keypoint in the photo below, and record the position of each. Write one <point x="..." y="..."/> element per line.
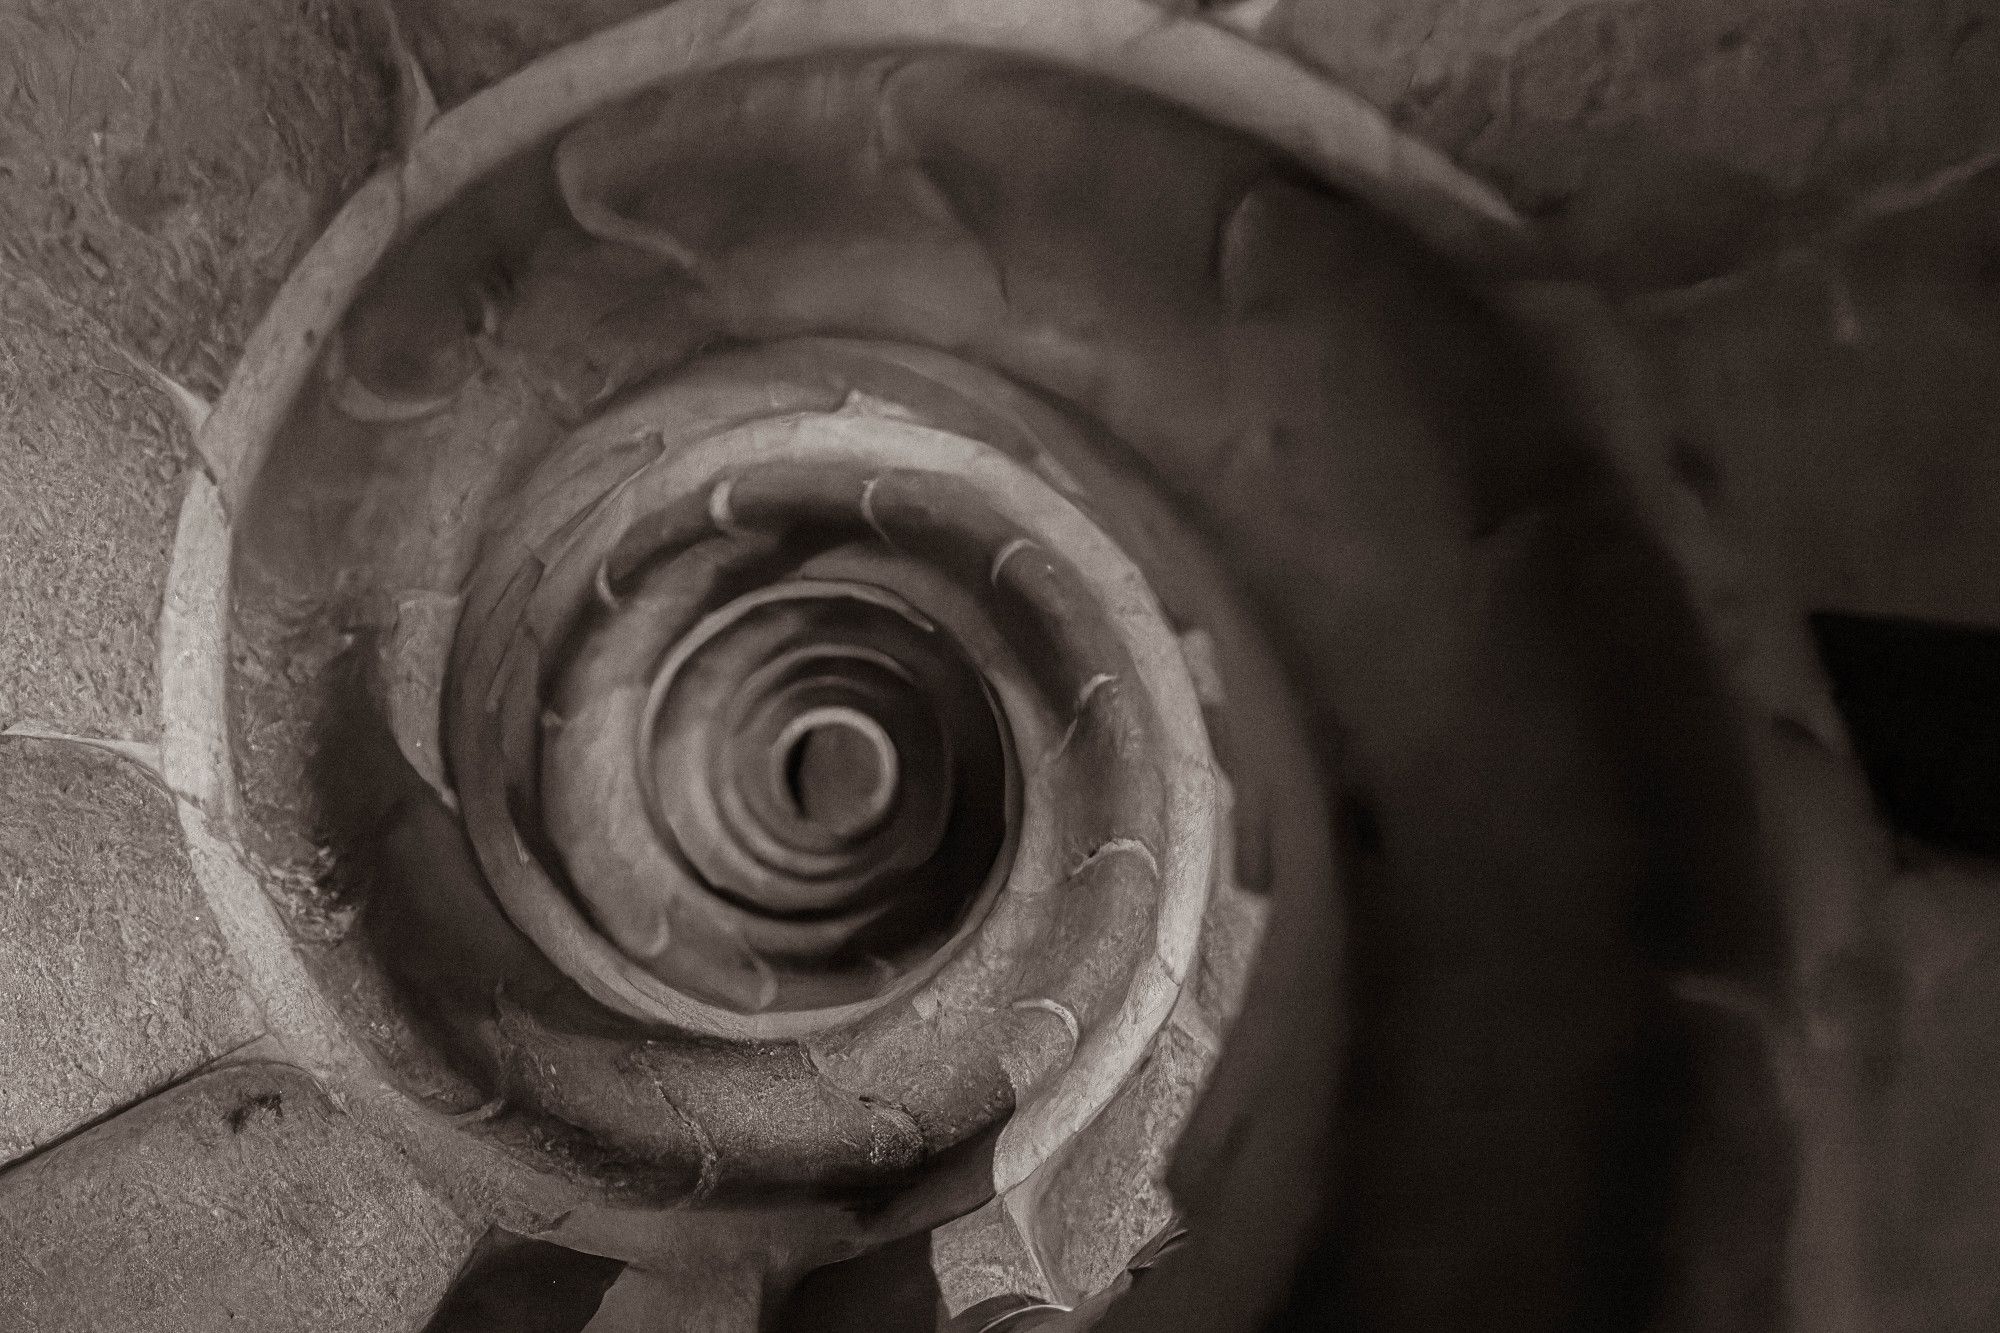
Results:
<point x="890" y="1290"/>
<point x="1922" y="700"/>
<point x="512" y="1284"/>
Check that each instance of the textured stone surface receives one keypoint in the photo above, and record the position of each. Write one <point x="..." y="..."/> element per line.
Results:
<point x="983" y="1255"/>
<point x="1106" y="1197"/>
<point x="112" y="979"/>
<point x="160" y="169"/>
<point x="239" y="1200"/>
<point x="87" y="495"/>
<point x="1074" y="1227"/>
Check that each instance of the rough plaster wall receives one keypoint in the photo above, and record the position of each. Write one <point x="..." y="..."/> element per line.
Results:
<point x="113" y="981"/>
<point x="161" y="166"/>
<point x="241" y="1199"/>
<point x="160" y="169"/>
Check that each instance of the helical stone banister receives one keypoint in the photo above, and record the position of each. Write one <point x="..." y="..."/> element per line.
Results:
<point x="773" y="601"/>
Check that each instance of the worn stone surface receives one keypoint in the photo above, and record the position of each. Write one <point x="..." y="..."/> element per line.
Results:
<point x="239" y="1200"/>
<point x="983" y="1255"/>
<point x="1074" y="1226"/>
<point x="160" y="169"/>
<point x="112" y="978"/>
<point x="1107" y="1197"/>
<point x="88" y="466"/>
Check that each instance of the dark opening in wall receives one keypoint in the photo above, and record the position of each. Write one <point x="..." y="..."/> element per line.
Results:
<point x="512" y="1284"/>
<point x="1922" y="699"/>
